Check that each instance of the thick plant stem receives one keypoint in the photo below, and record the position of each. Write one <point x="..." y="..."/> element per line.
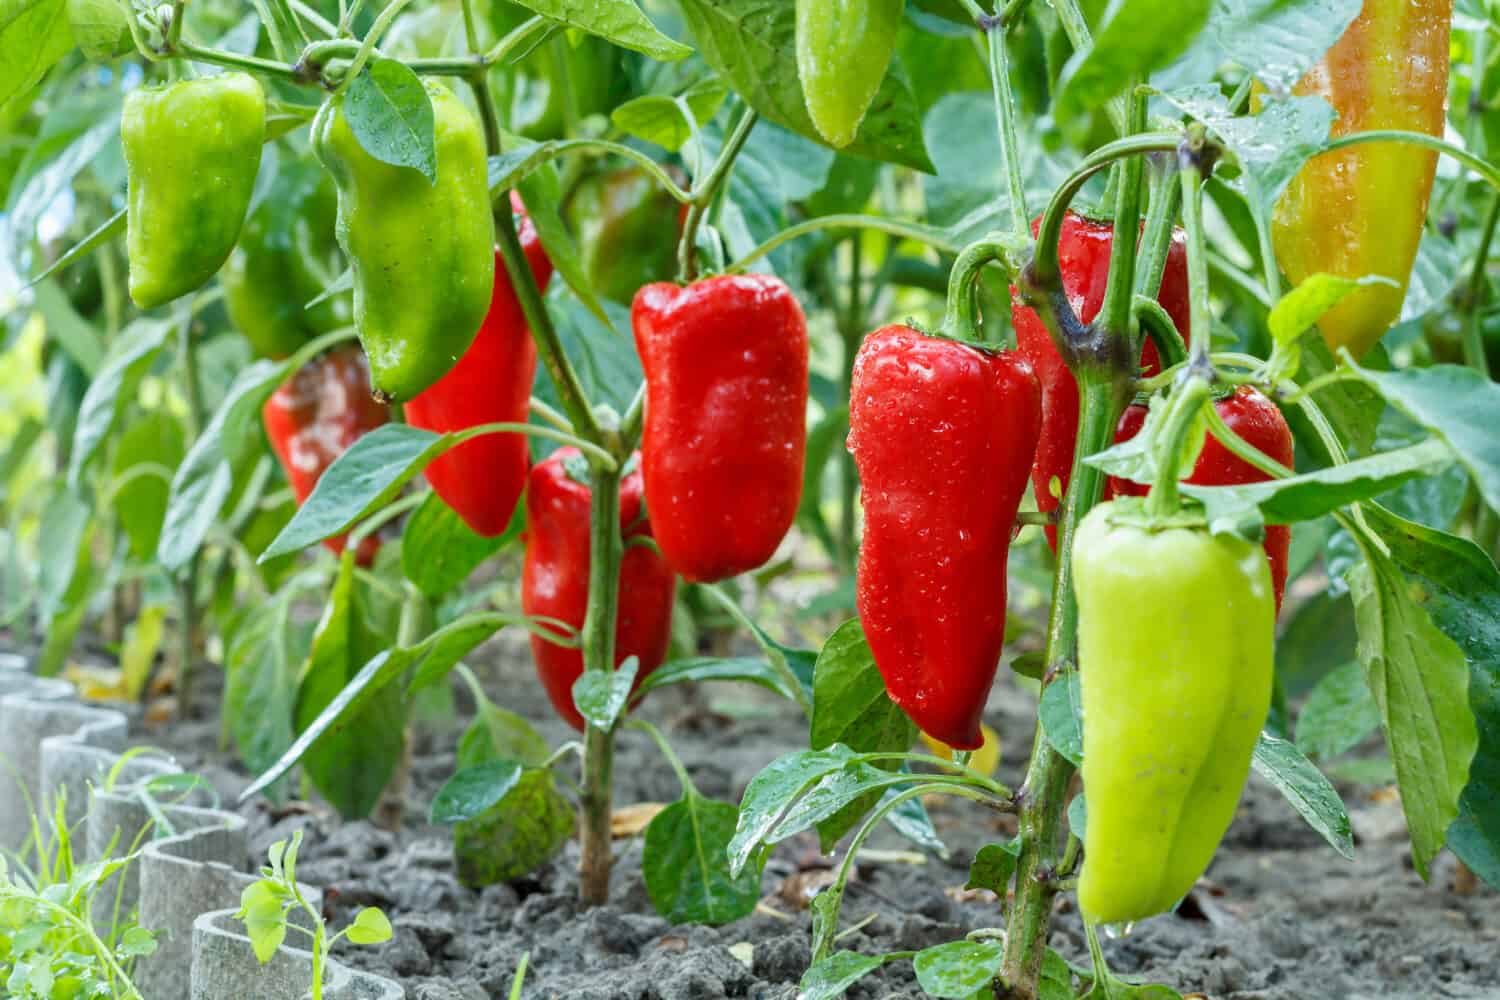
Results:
<point x="598" y="638"/>
<point x="1043" y="796"/>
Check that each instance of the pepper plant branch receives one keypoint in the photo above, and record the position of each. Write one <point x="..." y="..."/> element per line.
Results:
<point x="630" y="423"/>
<point x="1156" y="241"/>
<point x="367" y="45"/>
<point x="1487" y="171"/>
<point x="1005" y="120"/>
<point x="1241" y="448"/>
<point x="703" y="193"/>
<point x="598" y="643"/>
<point x="678" y="768"/>
<point x="894" y="227"/>
<point x="1158" y="325"/>
<point x="1043" y="794"/>
<point x="1114" y="311"/>
<point x="1474" y="353"/>
<point x="1045" y="270"/>
<point x="523" y="283"/>
<point x="1194" y="385"/>
<point x="312" y="17"/>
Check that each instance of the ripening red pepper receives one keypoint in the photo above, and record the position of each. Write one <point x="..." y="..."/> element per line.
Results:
<point x="482" y="478"/>
<point x="726" y="419"/>
<point x="315" y="415"/>
<point x="1251" y="415"/>
<point x="555" y="576"/>
<point x="943" y="435"/>
<point x="1083" y="252"/>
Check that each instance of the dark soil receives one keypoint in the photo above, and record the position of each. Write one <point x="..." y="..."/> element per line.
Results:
<point x="1280" y="915"/>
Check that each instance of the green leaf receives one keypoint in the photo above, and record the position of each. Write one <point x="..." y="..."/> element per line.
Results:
<point x="262" y="911"/>
<point x="1420" y="681"/>
<point x="1304" y="786"/>
<point x="390" y="114"/>
<point x="366" y="477"/>
<point x="113" y="389"/>
<point x="38" y="193"/>
<point x="137" y="942"/>
<point x="149" y="443"/>
<point x="1458" y="405"/>
<point x="748" y="42"/>
<point x="499" y="734"/>
<point x="1134" y="38"/>
<point x="349" y="766"/>
<point x="828" y="979"/>
<point x="1276" y="40"/>
<point x="541" y="193"/>
<point x="685" y="863"/>
<point x="1455" y="582"/>
<point x="670" y="122"/>
<point x="774" y="790"/>
<point x="851" y="706"/>
<point x="74" y="334"/>
<point x="370" y="927"/>
<point x="1310" y="495"/>
<point x="1338" y="714"/>
<point x="958" y="969"/>
<point x="601" y="695"/>
<point x="993" y="867"/>
<point x="1300" y="309"/>
<point x="61" y="536"/>
<point x="445" y="647"/>
<point x="34" y="34"/>
<point x="439" y="551"/>
<point x="618" y="21"/>
<point x="99" y="27"/>
<point x="1060" y="714"/>
<point x="1078" y="815"/>
<point x="203" y="481"/>
<point x="473" y="790"/>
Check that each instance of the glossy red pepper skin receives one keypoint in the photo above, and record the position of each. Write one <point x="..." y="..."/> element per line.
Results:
<point x="555" y="578"/>
<point x="482" y="478"/>
<point x="1083" y="252"/>
<point x="315" y="415"/>
<point x="1251" y="415"/>
<point x="943" y="435"/>
<point x="726" y="419"/>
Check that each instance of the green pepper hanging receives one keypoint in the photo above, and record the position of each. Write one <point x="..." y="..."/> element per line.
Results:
<point x="1175" y="648"/>
<point x="192" y="150"/>
<point x="423" y="253"/>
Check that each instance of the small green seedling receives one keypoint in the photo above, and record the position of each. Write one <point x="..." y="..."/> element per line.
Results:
<point x="266" y="905"/>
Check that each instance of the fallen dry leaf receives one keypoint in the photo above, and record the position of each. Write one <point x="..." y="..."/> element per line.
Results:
<point x="631" y="821"/>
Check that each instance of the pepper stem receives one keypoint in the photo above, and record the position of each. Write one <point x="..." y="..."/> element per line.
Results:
<point x="960" y="320"/>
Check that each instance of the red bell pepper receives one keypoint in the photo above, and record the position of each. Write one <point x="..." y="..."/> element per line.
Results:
<point x="943" y="435"/>
<point x="1083" y="252"/>
<point x="1251" y="415"/>
<point x="482" y="478"/>
<point x="555" y="577"/>
<point x="315" y="415"/>
<point x="726" y="419"/>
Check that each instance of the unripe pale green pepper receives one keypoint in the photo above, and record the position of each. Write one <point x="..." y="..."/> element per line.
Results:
<point x="1175" y="645"/>
<point x="843" y="49"/>
<point x="422" y="253"/>
<point x="192" y="150"/>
